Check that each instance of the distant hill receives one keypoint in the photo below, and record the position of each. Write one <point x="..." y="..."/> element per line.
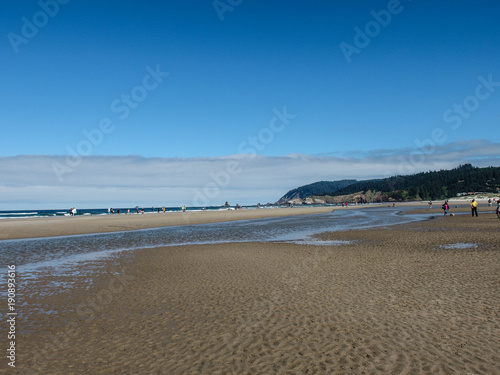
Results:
<point x="421" y="186"/>
<point x="317" y="188"/>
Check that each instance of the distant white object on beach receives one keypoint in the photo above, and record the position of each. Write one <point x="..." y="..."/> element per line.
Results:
<point x="459" y="245"/>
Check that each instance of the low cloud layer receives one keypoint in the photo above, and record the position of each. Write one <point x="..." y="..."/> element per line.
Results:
<point x="34" y="182"/>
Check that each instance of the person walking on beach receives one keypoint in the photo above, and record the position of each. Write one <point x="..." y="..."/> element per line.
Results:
<point x="498" y="208"/>
<point x="473" y="206"/>
<point x="445" y="207"/>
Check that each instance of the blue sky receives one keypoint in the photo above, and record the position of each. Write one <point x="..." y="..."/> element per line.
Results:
<point x="184" y="81"/>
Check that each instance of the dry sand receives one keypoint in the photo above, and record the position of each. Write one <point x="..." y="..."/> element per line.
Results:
<point x="384" y="301"/>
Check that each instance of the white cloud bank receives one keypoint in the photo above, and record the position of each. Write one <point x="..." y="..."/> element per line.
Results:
<point x="36" y="182"/>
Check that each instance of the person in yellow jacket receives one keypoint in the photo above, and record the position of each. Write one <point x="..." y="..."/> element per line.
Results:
<point x="473" y="206"/>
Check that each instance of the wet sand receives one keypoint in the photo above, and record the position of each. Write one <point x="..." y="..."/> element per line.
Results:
<point x="385" y="301"/>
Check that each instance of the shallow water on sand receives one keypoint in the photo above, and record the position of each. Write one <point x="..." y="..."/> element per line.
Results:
<point x="47" y="266"/>
<point x="31" y="254"/>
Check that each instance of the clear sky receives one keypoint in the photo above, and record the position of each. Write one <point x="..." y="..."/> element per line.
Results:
<point x="316" y="87"/>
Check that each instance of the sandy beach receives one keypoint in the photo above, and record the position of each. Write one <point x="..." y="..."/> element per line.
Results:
<point x="62" y="226"/>
<point x="420" y="298"/>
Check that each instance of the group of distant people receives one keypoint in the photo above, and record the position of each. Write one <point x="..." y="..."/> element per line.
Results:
<point x="445" y="207"/>
<point x="139" y="210"/>
<point x="473" y="206"/>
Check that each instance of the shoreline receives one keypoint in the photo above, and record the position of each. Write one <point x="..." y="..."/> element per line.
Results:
<point x="65" y="226"/>
<point x="21" y="228"/>
<point x="384" y="300"/>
